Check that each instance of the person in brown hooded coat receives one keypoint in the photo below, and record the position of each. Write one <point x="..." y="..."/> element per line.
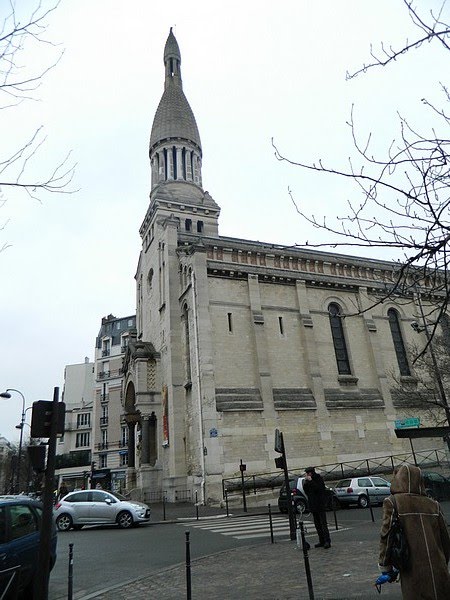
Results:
<point x="427" y="577"/>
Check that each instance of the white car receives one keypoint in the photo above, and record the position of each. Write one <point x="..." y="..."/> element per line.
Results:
<point x="98" y="507"/>
<point x="358" y="490"/>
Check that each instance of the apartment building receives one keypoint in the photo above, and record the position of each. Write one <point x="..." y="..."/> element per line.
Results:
<point x="110" y="432"/>
<point x="73" y="460"/>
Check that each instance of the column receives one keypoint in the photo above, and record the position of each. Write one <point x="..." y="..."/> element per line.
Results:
<point x="153" y="446"/>
<point x="131" y="444"/>
<point x="145" y="439"/>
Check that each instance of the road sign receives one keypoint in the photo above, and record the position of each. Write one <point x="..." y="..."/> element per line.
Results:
<point x="410" y="422"/>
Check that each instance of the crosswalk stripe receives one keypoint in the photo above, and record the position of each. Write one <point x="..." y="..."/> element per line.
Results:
<point x="243" y="528"/>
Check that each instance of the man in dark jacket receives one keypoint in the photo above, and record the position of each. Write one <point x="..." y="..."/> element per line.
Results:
<point x="314" y="488"/>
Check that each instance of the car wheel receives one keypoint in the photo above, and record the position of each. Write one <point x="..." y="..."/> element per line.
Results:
<point x="282" y="509"/>
<point x="363" y="501"/>
<point x="125" y="520"/>
<point x="64" y="522"/>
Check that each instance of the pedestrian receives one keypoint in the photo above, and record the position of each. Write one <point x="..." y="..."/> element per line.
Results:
<point x="63" y="491"/>
<point x="314" y="488"/>
<point x="427" y="575"/>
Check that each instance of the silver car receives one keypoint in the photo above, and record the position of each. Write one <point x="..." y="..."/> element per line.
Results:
<point x="98" y="507"/>
<point x="358" y="490"/>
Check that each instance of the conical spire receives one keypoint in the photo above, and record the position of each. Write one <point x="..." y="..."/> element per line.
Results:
<point x="175" y="146"/>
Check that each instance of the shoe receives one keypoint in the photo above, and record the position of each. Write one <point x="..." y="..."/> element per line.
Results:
<point x="318" y="545"/>
<point x="327" y="545"/>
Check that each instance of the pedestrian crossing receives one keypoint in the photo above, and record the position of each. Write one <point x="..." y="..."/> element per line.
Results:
<point x="245" y="528"/>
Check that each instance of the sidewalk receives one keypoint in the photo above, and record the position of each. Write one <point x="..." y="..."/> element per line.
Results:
<point x="268" y="572"/>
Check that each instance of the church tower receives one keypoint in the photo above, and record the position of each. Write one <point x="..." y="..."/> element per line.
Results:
<point x="162" y="398"/>
<point x="175" y="153"/>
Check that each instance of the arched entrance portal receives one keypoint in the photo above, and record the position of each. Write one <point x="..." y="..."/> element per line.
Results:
<point x="143" y="453"/>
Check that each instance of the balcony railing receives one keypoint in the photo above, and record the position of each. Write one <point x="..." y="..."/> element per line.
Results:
<point x="110" y="374"/>
<point x="102" y="446"/>
<point x="104" y="397"/>
<point x="106" y="352"/>
<point x="103" y="420"/>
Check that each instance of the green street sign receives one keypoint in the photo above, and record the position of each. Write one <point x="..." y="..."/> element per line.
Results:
<point x="405" y="423"/>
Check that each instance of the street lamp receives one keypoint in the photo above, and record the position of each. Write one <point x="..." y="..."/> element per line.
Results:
<point x="6" y="394"/>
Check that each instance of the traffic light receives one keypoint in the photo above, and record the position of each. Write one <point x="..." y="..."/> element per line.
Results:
<point x="280" y="462"/>
<point x="36" y="454"/>
<point x="41" y="418"/>
<point x="278" y="441"/>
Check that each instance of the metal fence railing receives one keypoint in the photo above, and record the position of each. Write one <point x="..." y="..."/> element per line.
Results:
<point x="259" y="482"/>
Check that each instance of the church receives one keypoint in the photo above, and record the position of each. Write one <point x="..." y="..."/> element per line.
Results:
<point x="237" y="338"/>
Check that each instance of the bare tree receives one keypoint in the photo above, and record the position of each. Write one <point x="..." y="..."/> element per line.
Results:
<point x="429" y="388"/>
<point x="20" y="36"/>
<point x="404" y="194"/>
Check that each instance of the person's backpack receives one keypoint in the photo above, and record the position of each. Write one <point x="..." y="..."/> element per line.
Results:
<point x="397" y="553"/>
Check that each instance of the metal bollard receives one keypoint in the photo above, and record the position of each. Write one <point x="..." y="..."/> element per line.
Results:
<point x="70" y="574"/>
<point x="271" y="526"/>
<point x="306" y="561"/>
<point x="369" y="503"/>
<point x="164" y="507"/>
<point x="188" y="568"/>
<point x="226" y="501"/>
<point x="196" y="505"/>
<point x="335" y="519"/>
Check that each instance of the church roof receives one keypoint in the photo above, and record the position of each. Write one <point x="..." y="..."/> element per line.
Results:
<point x="174" y="117"/>
<point x="171" y="49"/>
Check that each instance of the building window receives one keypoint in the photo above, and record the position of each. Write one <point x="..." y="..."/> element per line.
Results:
<point x="124" y="436"/>
<point x="106" y="347"/>
<point x="399" y="346"/>
<point x="199" y="226"/>
<point x="187" y="345"/>
<point x="103" y="461"/>
<point x="105" y="438"/>
<point x="84" y="420"/>
<point x="124" y="459"/>
<point x="188" y="224"/>
<point x="230" y="322"/>
<point x="82" y="440"/>
<point x="340" y="347"/>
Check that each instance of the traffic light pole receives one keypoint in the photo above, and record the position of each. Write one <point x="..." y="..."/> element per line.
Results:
<point x="292" y="523"/>
<point x="43" y="571"/>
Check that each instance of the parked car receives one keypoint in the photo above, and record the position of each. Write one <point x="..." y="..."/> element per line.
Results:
<point x="299" y="497"/>
<point x="436" y="485"/>
<point x="358" y="490"/>
<point x="98" y="507"/>
<point x="20" y="522"/>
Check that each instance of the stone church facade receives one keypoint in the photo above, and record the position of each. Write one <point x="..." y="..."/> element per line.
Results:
<point x="236" y="338"/>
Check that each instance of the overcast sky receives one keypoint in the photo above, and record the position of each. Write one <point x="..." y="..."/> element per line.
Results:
<point x="252" y="70"/>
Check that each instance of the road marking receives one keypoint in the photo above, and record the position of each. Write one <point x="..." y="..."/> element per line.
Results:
<point x="243" y="528"/>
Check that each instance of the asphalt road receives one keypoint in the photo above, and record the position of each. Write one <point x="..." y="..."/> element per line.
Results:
<point x="105" y="556"/>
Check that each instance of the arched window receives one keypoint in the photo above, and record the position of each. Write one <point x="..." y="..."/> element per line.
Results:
<point x="399" y="346"/>
<point x="340" y="347"/>
<point x="187" y="345"/>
